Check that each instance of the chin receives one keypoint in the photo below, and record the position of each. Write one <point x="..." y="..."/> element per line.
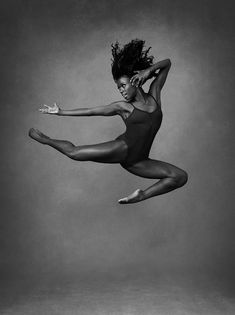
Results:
<point x="130" y="99"/>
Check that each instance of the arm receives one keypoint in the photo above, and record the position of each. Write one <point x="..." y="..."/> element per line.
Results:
<point x="142" y="76"/>
<point x="158" y="83"/>
<point x="107" y="110"/>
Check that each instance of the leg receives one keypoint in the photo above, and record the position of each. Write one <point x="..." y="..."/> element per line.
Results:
<point x="107" y="152"/>
<point x="171" y="177"/>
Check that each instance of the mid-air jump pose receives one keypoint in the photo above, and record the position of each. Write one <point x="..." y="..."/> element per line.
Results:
<point x="141" y="112"/>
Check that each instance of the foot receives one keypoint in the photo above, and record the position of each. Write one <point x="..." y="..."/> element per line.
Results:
<point x="38" y="135"/>
<point x="136" y="196"/>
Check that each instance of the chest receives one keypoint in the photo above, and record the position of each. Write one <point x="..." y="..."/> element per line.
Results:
<point x="142" y="117"/>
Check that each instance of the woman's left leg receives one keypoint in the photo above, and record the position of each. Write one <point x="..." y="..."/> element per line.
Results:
<point x="170" y="178"/>
<point x="107" y="152"/>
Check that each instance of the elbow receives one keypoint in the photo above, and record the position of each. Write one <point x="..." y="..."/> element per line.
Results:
<point x="92" y="112"/>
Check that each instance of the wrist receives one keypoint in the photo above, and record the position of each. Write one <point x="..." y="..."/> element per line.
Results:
<point x="151" y="72"/>
<point x="154" y="68"/>
<point x="60" y="112"/>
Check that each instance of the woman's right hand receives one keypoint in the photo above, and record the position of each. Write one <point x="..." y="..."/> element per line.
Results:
<point x="50" y="109"/>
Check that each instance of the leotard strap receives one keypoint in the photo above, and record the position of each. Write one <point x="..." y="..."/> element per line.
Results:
<point x="154" y="99"/>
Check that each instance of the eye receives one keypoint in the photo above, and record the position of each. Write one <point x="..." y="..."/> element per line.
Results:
<point x="122" y="86"/>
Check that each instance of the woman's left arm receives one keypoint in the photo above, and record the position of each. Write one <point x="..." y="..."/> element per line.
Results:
<point x="158" y="83"/>
<point x="160" y="78"/>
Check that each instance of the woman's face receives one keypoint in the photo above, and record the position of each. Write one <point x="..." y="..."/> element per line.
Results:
<point x="127" y="90"/>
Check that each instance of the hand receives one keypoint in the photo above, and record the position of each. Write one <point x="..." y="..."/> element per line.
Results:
<point x="50" y="109"/>
<point x="140" y="77"/>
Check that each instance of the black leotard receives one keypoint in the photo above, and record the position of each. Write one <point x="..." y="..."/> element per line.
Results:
<point x="141" y="128"/>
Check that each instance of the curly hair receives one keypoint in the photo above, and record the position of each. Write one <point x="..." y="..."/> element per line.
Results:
<point x="130" y="58"/>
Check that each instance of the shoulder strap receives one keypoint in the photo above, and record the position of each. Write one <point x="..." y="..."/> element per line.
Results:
<point x="154" y="99"/>
<point x="132" y="105"/>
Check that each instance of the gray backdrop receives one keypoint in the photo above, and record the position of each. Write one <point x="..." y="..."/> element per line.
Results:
<point x="61" y="217"/>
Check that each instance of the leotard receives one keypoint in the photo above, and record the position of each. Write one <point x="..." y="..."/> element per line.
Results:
<point x="141" y="128"/>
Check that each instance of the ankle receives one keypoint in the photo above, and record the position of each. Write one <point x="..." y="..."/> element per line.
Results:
<point x="141" y="195"/>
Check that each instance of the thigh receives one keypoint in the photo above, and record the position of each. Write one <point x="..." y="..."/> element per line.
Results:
<point x="153" y="169"/>
<point x="106" y="152"/>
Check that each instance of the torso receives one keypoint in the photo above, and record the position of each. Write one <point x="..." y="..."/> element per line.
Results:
<point x="149" y="107"/>
<point x="142" y="124"/>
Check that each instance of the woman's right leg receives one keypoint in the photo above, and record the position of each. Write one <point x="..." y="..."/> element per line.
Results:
<point x="107" y="152"/>
<point x="170" y="178"/>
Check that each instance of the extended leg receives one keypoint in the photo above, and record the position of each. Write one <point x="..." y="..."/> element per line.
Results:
<point x="170" y="177"/>
<point x="107" y="152"/>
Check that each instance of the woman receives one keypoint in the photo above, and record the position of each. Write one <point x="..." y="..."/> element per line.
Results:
<point x="141" y="112"/>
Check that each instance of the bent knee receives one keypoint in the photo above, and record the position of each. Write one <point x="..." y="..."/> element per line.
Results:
<point x="74" y="154"/>
<point x="180" y="178"/>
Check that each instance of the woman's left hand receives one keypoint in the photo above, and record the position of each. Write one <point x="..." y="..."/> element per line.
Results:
<point x="140" y="77"/>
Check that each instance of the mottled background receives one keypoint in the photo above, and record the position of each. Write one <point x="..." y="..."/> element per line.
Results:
<point x="59" y="218"/>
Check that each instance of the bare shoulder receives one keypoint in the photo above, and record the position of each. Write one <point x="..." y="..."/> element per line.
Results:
<point x="123" y="109"/>
<point x="123" y="106"/>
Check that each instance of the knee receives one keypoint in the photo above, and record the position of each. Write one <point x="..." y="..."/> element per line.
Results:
<point x="180" y="178"/>
<point x="73" y="154"/>
<point x="77" y="154"/>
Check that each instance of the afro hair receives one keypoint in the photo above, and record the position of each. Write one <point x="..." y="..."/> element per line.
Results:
<point x="130" y="58"/>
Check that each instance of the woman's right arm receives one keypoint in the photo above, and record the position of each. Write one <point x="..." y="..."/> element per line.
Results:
<point x="107" y="110"/>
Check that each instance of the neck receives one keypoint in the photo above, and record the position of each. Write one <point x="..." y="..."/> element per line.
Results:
<point x="140" y="96"/>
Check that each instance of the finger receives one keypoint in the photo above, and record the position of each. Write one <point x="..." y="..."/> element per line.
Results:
<point x="46" y="105"/>
<point x="132" y="82"/>
<point x="135" y="75"/>
<point x="132" y="79"/>
<point x="135" y="80"/>
<point x="140" y="82"/>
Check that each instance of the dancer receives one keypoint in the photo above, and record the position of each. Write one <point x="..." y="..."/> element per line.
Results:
<point x="141" y="112"/>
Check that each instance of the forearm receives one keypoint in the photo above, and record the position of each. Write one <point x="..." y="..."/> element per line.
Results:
<point x="76" y="112"/>
<point x="163" y="64"/>
<point x="107" y="110"/>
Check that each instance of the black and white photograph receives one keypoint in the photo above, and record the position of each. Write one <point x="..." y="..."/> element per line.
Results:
<point x="117" y="171"/>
